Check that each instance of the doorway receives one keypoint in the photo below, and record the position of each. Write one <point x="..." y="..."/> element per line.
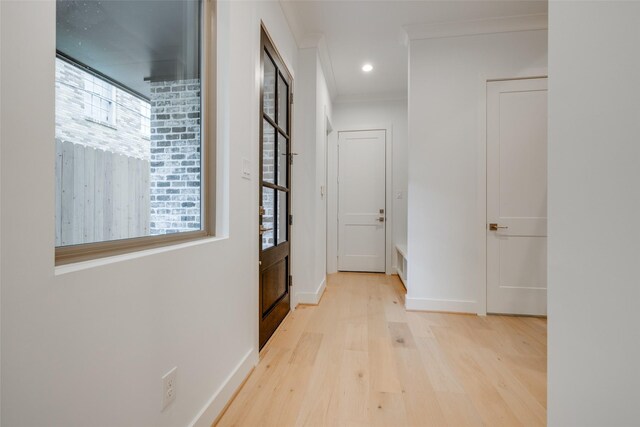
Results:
<point x="362" y="201"/>
<point x="517" y="196"/>
<point x="275" y="194"/>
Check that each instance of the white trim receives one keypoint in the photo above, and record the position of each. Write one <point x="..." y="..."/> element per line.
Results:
<point x="401" y="258"/>
<point x="225" y="392"/>
<point x="332" y="202"/>
<point x="312" y="298"/>
<point x="476" y="27"/>
<point x="482" y="197"/>
<point x="481" y="223"/>
<point x="376" y="97"/>
<point x="99" y="262"/>
<point x="327" y="67"/>
<point x="306" y="40"/>
<point x="388" y="199"/>
<point x="328" y="130"/>
<point x="430" y="304"/>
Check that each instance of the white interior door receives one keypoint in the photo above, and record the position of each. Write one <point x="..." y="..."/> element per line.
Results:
<point x="361" y="201"/>
<point x="517" y="197"/>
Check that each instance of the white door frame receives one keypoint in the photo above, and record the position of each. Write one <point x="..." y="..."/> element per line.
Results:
<point x="328" y="133"/>
<point x="332" y="243"/>
<point x="536" y="73"/>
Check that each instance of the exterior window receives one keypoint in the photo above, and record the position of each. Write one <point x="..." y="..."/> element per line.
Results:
<point x="130" y="162"/>
<point x="145" y="119"/>
<point x="99" y="99"/>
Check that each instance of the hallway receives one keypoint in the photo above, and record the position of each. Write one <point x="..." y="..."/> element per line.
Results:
<point x="358" y="358"/>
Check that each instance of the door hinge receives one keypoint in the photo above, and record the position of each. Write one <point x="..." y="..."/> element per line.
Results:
<point x="290" y="281"/>
<point x="290" y="219"/>
<point x="291" y="97"/>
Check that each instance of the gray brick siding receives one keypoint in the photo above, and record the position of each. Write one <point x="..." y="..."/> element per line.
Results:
<point x="175" y="156"/>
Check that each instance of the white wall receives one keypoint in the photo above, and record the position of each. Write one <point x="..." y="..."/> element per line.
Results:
<point x="446" y="88"/>
<point x="367" y="115"/>
<point x="324" y="112"/>
<point x="594" y="205"/>
<point x="89" y="346"/>
<point x="312" y="105"/>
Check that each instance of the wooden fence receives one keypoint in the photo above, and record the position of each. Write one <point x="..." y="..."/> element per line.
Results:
<point x="100" y="195"/>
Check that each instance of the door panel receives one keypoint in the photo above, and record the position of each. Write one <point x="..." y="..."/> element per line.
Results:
<point x="361" y="201"/>
<point x="275" y="196"/>
<point x="517" y="196"/>
<point x="274" y="278"/>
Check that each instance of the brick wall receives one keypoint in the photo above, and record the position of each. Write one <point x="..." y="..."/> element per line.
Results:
<point x="73" y="123"/>
<point x="175" y="156"/>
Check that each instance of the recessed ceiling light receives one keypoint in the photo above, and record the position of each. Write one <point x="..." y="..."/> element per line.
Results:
<point x="367" y="68"/>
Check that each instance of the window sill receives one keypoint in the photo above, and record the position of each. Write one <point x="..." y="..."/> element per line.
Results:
<point x="101" y="123"/>
<point x="61" y="270"/>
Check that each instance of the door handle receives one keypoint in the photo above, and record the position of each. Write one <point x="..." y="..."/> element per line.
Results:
<point x="495" y="227"/>
<point x="264" y="230"/>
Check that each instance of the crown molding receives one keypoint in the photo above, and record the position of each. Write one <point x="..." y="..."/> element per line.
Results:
<point x="327" y="68"/>
<point x="470" y="28"/>
<point x="368" y="98"/>
<point x="306" y="40"/>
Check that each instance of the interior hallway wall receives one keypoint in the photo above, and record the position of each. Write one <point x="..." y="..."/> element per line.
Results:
<point x="594" y="204"/>
<point x="447" y="85"/>
<point x="367" y="115"/>
<point x="311" y="108"/>
<point x="88" y="345"/>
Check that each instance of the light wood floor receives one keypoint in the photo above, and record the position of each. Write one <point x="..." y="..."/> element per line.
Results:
<point x="360" y="359"/>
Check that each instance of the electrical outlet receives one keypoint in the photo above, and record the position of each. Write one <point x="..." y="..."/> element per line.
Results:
<point x="169" y="387"/>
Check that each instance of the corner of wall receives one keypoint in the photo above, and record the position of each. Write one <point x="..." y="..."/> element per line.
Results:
<point x="312" y="298"/>
<point x="225" y="393"/>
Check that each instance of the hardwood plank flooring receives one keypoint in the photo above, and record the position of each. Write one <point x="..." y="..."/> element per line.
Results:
<point x="360" y="359"/>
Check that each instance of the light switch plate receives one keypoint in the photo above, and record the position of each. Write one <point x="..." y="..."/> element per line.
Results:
<point x="246" y="168"/>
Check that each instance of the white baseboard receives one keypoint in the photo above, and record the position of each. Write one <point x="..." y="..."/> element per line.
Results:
<point x="221" y="397"/>
<point x="428" y="304"/>
<point x="402" y="279"/>
<point x="312" y="297"/>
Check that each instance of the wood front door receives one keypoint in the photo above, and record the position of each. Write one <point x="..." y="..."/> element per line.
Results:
<point x="275" y="194"/>
<point x="517" y="196"/>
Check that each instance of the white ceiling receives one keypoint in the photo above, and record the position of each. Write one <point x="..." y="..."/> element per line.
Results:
<point x="359" y="31"/>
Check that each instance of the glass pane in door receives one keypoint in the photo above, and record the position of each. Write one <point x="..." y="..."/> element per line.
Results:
<point x="269" y="88"/>
<point x="283" y="104"/>
<point x="283" y="164"/>
<point x="268" y="203"/>
<point x="268" y="152"/>
<point x="282" y="216"/>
